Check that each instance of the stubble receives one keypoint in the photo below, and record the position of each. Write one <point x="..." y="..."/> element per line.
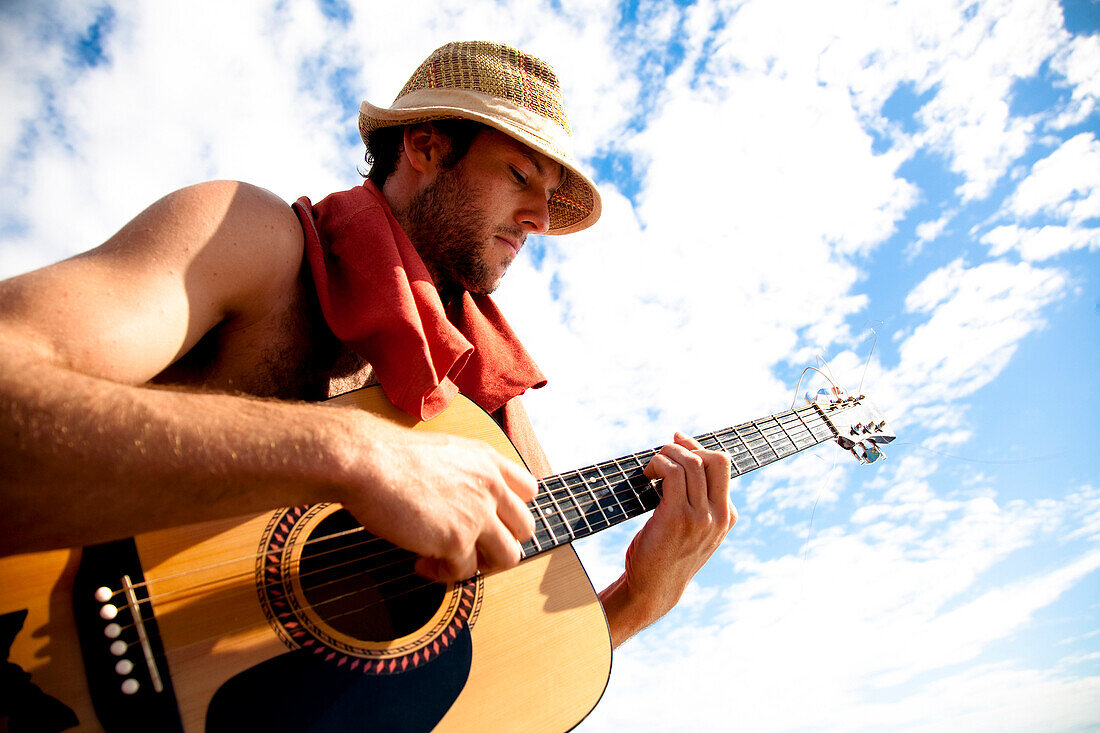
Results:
<point x="451" y="234"/>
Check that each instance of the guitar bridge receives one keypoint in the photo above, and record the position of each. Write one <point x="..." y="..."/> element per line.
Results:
<point x="120" y="642"/>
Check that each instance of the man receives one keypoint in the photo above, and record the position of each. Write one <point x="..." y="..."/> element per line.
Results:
<point x="162" y="378"/>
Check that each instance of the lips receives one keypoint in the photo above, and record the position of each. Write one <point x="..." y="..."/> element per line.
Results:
<point x="514" y="244"/>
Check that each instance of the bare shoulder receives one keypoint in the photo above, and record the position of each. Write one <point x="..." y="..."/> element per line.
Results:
<point x="195" y="258"/>
<point x="223" y="215"/>
<point x="235" y="201"/>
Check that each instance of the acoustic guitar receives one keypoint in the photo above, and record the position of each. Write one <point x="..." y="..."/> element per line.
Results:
<point x="301" y="620"/>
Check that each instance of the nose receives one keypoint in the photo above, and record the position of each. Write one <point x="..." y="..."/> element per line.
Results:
<point x="534" y="216"/>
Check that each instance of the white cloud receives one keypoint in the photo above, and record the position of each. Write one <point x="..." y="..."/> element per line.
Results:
<point x="1085" y="504"/>
<point x="929" y="231"/>
<point x="35" y="39"/>
<point x="573" y="36"/>
<point x="1079" y="63"/>
<point x="762" y="204"/>
<point x="798" y="483"/>
<point x="969" y="115"/>
<point x="1065" y="184"/>
<point x="1062" y="187"/>
<point x="966" y="55"/>
<point x="179" y="100"/>
<point x="846" y="628"/>
<point x="736" y="259"/>
<point x="1036" y="244"/>
<point x="977" y="317"/>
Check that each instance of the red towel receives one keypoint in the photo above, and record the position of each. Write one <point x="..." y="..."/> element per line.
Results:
<point x="378" y="298"/>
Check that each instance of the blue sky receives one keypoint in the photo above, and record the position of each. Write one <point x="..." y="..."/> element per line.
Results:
<point x="779" y="178"/>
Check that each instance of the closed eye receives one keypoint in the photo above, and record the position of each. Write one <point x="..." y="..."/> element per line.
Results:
<point x="518" y="175"/>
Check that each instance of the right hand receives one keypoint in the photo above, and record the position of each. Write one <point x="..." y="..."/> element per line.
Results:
<point x="457" y="503"/>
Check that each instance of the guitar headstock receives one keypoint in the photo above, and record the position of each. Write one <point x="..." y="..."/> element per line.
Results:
<point x="859" y="425"/>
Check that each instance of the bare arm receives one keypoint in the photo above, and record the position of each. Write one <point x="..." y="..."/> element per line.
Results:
<point x="94" y="454"/>
<point x="692" y="520"/>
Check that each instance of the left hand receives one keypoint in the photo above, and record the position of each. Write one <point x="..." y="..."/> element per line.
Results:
<point x="694" y="516"/>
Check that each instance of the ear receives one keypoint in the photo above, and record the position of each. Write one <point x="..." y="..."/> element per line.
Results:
<point x="424" y="147"/>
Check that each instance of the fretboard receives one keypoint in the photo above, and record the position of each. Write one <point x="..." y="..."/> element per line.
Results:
<point x="580" y="503"/>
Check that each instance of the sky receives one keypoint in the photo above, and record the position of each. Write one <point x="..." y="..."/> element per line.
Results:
<point x="903" y="194"/>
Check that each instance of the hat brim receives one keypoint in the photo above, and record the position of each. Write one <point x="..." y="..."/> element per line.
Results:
<point x="576" y="204"/>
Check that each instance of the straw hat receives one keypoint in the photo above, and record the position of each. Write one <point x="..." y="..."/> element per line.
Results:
<point x="506" y="89"/>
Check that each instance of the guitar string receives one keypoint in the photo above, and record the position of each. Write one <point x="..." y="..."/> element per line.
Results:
<point x="319" y="604"/>
<point x="358" y="591"/>
<point x="289" y="568"/>
<point x="407" y="556"/>
<point x="548" y="504"/>
<point x="294" y="564"/>
<point x="550" y="528"/>
<point x="249" y="589"/>
<point x="372" y="539"/>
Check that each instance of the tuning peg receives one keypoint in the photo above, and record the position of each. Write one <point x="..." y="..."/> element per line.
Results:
<point x="867" y="452"/>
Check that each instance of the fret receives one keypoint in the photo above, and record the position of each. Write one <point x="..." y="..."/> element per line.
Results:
<point x="762" y="449"/>
<point x="556" y="509"/>
<point x="593" y="512"/>
<point x="581" y="502"/>
<point x="576" y="514"/>
<point x="649" y="495"/>
<point x="809" y="438"/>
<point x="710" y="441"/>
<point x="825" y="430"/>
<point x="614" y="508"/>
<point x="596" y="487"/>
<point x="783" y="425"/>
<point x="735" y="449"/>
<point x="740" y="433"/>
<point x="766" y="431"/>
<point x="628" y="497"/>
<point x="777" y="439"/>
<point x="547" y="538"/>
<point x="724" y="440"/>
<point x="796" y="428"/>
<point x="640" y="486"/>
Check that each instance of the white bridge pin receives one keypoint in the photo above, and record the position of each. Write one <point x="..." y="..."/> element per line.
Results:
<point x="130" y="686"/>
<point x="108" y="612"/>
<point x="118" y="648"/>
<point x="124" y="667"/>
<point x="103" y="594"/>
<point x="111" y="631"/>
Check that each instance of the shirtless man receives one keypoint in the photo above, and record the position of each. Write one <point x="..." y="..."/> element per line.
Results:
<point x="163" y="378"/>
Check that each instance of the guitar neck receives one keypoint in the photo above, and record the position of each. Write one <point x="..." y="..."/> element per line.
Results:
<point x="579" y="503"/>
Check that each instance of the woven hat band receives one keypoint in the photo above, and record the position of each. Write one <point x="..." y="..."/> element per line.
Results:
<point x="496" y="70"/>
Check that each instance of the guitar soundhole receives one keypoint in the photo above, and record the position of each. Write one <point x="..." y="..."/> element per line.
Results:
<point x="362" y="586"/>
<point x="330" y="588"/>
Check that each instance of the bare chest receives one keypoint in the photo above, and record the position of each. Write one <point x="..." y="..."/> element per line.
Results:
<point x="288" y="353"/>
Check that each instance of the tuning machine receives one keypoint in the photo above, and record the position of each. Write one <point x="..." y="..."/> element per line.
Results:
<point x="867" y="452"/>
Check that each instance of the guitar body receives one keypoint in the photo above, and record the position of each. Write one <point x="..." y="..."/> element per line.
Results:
<point x="260" y="623"/>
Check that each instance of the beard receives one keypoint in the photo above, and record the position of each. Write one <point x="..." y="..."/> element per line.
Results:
<point x="451" y="234"/>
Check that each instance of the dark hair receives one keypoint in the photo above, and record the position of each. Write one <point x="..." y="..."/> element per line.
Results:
<point x="384" y="145"/>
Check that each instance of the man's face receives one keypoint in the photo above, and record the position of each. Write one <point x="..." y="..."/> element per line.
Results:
<point x="471" y="220"/>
